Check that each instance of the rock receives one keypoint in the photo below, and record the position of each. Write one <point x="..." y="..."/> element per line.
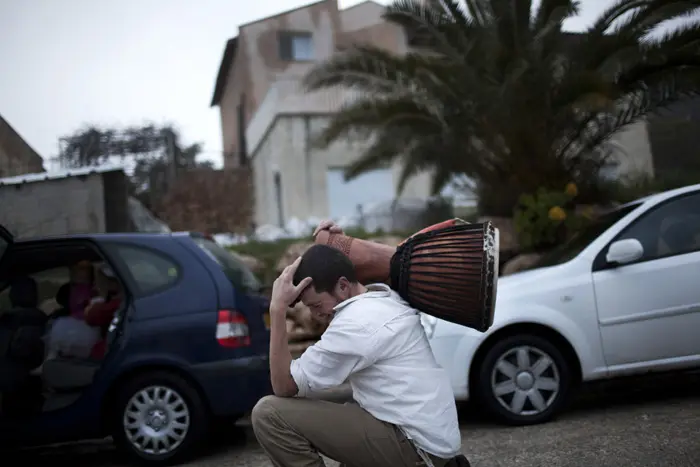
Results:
<point x="508" y="234"/>
<point x="290" y="255"/>
<point x="254" y="264"/>
<point x="290" y="325"/>
<point x="520" y="263"/>
<point x="302" y="316"/>
<point x="298" y="348"/>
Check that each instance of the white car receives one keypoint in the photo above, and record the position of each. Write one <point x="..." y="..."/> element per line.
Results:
<point x="621" y="298"/>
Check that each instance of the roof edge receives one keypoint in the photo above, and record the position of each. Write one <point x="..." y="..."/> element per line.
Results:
<point x="224" y="69"/>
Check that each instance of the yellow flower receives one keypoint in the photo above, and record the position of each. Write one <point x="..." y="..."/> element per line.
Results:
<point x="571" y="189"/>
<point x="557" y="214"/>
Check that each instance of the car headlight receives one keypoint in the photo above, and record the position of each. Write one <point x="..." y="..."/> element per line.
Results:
<point x="429" y="323"/>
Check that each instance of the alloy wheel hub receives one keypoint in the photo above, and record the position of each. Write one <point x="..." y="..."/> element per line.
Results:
<point x="525" y="380"/>
<point x="156" y="420"/>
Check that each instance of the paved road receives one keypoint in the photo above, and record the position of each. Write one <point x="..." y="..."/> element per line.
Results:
<point x="650" y="422"/>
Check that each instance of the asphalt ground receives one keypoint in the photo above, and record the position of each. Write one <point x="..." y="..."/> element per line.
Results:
<point x="641" y="422"/>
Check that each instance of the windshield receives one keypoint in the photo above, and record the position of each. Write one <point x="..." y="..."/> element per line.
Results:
<point x="583" y="238"/>
<point x="237" y="272"/>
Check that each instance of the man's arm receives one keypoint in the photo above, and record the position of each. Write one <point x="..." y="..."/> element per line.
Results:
<point x="283" y="385"/>
<point x="284" y="292"/>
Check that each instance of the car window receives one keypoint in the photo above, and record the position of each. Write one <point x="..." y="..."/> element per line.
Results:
<point x="236" y="271"/>
<point x="48" y="282"/>
<point x="670" y="229"/>
<point x="151" y="271"/>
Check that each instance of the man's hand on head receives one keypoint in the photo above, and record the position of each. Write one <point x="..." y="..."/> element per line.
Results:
<point x="328" y="225"/>
<point x="284" y="292"/>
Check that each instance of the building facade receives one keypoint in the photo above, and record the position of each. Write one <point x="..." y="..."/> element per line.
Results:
<point x="16" y="156"/>
<point x="269" y="122"/>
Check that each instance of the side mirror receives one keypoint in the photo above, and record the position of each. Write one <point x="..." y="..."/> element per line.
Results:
<point x="624" y="251"/>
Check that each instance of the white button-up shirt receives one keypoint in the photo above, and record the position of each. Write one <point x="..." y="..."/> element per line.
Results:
<point x="376" y="342"/>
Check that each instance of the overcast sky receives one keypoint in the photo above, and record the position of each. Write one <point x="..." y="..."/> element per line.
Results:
<point x="68" y="63"/>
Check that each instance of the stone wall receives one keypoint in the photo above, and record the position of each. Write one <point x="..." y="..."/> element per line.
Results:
<point x="210" y="201"/>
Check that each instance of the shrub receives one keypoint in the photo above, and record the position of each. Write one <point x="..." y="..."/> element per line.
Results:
<point x="547" y="218"/>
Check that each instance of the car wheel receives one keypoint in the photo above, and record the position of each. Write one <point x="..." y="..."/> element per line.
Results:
<point x="159" y="419"/>
<point x="523" y="380"/>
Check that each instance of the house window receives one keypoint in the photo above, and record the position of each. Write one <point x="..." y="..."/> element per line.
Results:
<point x="296" y="46"/>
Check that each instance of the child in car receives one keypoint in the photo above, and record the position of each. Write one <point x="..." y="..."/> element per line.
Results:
<point x="82" y="288"/>
<point x="71" y="336"/>
<point x="100" y="312"/>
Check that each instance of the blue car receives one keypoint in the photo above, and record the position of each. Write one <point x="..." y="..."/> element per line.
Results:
<point x="186" y="347"/>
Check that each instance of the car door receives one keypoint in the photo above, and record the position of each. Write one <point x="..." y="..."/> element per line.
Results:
<point x="6" y="240"/>
<point x="649" y="309"/>
<point x="173" y="299"/>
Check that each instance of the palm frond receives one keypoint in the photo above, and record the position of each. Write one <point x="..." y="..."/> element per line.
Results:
<point x="613" y="13"/>
<point x="646" y="19"/>
<point x="433" y="24"/>
<point x="638" y="105"/>
<point x="479" y="11"/>
<point x="553" y="12"/>
<point x="376" y="113"/>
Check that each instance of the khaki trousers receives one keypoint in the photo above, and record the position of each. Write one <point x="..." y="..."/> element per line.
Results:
<point x="293" y="431"/>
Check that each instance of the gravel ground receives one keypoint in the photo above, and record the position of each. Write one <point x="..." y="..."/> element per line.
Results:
<point x="650" y="422"/>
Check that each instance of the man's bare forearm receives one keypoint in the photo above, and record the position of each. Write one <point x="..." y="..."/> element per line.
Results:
<point x="283" y="384"/>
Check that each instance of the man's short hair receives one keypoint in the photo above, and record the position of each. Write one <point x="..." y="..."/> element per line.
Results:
<point x="325" y="265"/>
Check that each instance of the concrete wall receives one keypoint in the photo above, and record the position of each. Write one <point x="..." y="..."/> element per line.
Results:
<point x="54" y="207"/>
<point x="632" y="150"/>
<point x="287" y="149"/>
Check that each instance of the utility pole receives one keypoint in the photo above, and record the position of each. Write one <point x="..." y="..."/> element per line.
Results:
<point x="171" y="157"/>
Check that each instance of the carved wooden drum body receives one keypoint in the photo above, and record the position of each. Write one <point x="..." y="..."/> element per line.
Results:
<point x="449" y="270"/>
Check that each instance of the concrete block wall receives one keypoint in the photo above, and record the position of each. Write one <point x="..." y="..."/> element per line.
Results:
<point x="54" y="207"/>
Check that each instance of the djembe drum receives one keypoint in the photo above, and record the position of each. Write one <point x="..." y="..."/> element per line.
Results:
<point x="448" y="270"/>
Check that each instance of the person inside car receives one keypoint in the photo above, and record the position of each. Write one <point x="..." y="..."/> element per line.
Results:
<point x="82" y="288"/>
<point x="63" y="301"/>
<point x="100" y="312"/>
<point x="69" y="335"/>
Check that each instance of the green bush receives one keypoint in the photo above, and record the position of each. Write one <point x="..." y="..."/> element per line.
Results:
<point x="546" y="218"/>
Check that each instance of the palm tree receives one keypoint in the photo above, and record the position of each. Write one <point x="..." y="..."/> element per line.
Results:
<point x="497" y="91"/>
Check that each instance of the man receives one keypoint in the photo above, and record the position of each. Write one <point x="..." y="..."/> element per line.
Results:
<point x="405" y="413"/>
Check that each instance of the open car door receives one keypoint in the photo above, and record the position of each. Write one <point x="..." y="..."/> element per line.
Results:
<point x="6" y="240"/>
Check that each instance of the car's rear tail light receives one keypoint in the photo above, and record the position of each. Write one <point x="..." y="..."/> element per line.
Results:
<point x="232" y="329"/>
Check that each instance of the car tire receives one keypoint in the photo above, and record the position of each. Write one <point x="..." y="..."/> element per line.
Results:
<point x="159" y="419"/>
<point x="523" y="380"/>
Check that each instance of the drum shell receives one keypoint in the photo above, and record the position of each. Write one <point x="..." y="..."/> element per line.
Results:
<point x="450" y="273"/>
